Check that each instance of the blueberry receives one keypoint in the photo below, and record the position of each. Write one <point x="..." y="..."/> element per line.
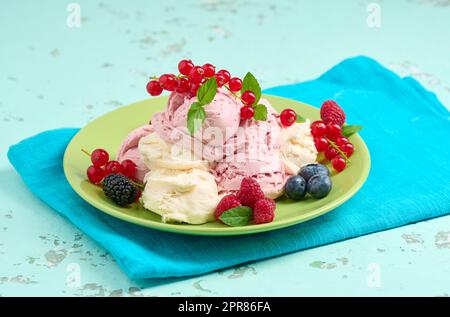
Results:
<point x="319" y="186"/>
<point x="295" y="187"/>
<point x="310" y="170"/>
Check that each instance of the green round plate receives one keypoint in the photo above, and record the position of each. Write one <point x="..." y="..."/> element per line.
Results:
<point x="109" y="130"/>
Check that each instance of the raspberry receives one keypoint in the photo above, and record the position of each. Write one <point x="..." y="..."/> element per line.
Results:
<point x="331" y="113"/>
<point x="264" y="211"/>
<point x="226" y="203"/>
<point x="249" y="192"/>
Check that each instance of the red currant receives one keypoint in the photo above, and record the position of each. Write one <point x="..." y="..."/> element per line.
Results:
<point x="154" y="88"/>
<point x="321" y="143"/>
<point x="225" y="74"/>
<point x="331" y="153"/>
<point x="288" y="117"/>
<point x="182" y="85"/>
<point x="247" y="112"/>
<point x="248" y="97"/>
<point x="196" y="74"/>
<point x="99" y="157"/>
<point x="209" y="69"/>
<point x="235" y="84"/>
<point x="193" y="87"/>
<point x="334" y="131"/>
<point x="347" y="148"/>
<point x="318" y="128"/>
<point x="338" y="163"/>
<point x="220" y="79"/>
<point x="113" y="167"/>
<point x="95" y="174"/>
<point x="185" y="66"/>
<point x="129" y="168"/>
<point x="341" y="141"/>
<point x="168" y="82"/>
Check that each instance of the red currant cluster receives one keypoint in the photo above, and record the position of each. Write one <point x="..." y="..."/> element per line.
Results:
<point x="102" y="166"/>
<point x="328" y="139"/>
<point x="190" y="78"/>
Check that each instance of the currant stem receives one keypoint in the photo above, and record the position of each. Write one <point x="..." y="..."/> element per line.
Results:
<point x="347" y="160"/>
<point x="140" y="186"/>
<point x="86" y="152"/>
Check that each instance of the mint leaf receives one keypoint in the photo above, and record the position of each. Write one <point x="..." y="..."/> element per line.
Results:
<point x="260" y="112"/>
<point x="349" y="130"/>
<point x="207" y="91"/>
<point x="237" y="216"/>
<point x="195" y="117"/>
<point x="300" y="118"/>
<point x="250" y="83"/>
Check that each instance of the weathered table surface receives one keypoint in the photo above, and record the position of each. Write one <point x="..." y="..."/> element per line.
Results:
<point x="53" y="75"/>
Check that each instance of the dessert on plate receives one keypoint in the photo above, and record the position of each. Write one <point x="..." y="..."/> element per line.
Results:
<point x="220" y="151"/>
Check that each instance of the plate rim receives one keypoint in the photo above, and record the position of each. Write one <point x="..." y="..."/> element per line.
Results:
<point x="226" y="231"/>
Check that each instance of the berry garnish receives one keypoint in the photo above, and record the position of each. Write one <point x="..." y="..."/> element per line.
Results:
<point x="318" y="128"/>
<point x="185" y="66"/>
<point x="235" y="84"/>
<point x="247" y="112"/>
<point x="295" y="187"/>
<point x="209" y="70"/>
<point x="182" y="85"/>
<point x="321" y="143"/>
<point x="154" y="88"/>
<point x="95" y="174"/>
<point x="168" y="82"/>
<point x="312" y="169"/>
<point x="221" y="80"/>
<point x="288" y="117"/>
<point x="264" y="211"/>
<point x="347" y="148"/>
<point x="330" y="153"/>
<point x="193" y="87"/>
<point x="248" y="97"/>
<point x="333" y="131"/>
<point x="249" y="192"/>
<point x="119" y="189"/>
<point x="338" y="163"/>
<point x="226" y="203"/>
<point x="196" y="74"/>
<point x="332" y="113"/>
<point x="319" y="186"/>
<point x="113" y="167"/>
<point x="99" y="157"/>
<point x="129" y="168"/>
<point x="226" y="74"/>
<point x="341" y="140"/>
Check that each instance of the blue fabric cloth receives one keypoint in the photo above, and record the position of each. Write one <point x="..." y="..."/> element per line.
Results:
<point x="406" y="129"/>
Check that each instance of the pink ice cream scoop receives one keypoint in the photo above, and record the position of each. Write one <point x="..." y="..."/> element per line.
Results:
<point x="129" y="150"/>
<point x="221" y="123"/>
<point x="256" y="153"/>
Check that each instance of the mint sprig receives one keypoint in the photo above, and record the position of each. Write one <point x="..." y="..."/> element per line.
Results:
<point x="196" y="114"/>
<point x="349" y="130"/>
<point x="260" y="112"/>
<point x="237" y="216"/>
<point x="250" y="83"/>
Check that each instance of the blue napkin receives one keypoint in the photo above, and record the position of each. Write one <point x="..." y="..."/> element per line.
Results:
<point x="405" y="127"/>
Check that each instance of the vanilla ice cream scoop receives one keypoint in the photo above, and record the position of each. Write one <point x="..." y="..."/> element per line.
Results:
<point x="156" y="153"/>
<point x="188" y="196"/>
<point x="297" y="147"/>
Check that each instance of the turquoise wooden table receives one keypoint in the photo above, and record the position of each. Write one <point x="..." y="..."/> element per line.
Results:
<point x="63" y="64"/>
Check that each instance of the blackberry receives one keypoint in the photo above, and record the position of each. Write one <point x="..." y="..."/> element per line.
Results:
<point x="119" y="189"/>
